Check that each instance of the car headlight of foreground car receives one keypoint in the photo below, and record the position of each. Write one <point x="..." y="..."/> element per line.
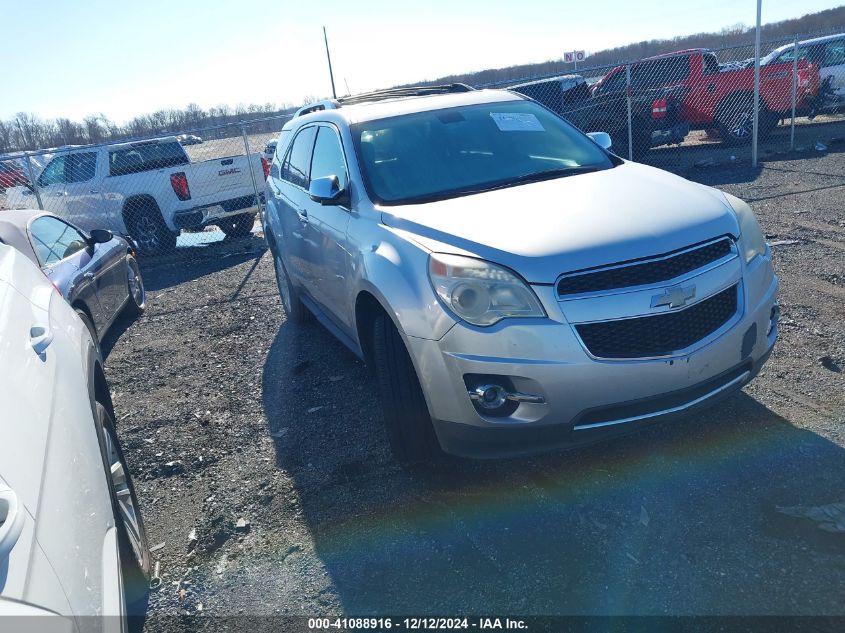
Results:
<point x="751" y="238"/>
<point x="480" y="292"/>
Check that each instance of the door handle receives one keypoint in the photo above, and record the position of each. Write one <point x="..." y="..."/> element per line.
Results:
<point x="88" y="276"/>
<point x="303" y="215"/>
<point x="40" y="337"/>
<point x="95" y="191"/>
<point x="11" y="520"/>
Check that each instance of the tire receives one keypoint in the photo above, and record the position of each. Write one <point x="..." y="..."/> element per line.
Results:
<point x="146" y="226"/>
<point x="135" y="285"/>
<point x="132" y="543"/>
<point x="735" y="120"/>
<point x="409" y="428"/>
<point x="238" y="225"/>
<point x="295" y="310"/>
<point x="641" y="138"/>
<point x="92" y="330"/>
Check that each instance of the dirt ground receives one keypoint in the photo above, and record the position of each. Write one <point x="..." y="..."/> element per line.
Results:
<point x="267" y="486"/>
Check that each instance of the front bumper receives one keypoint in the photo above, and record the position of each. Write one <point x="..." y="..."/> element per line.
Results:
<point x="585" y="399"/>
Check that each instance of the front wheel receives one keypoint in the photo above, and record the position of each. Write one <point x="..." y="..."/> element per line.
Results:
<point x="409" y="428"/>
<point x="131" y="536"/>
<point x="735" y="121"/>
<point x="640" y="137"/>
<point x="238" y="225"/>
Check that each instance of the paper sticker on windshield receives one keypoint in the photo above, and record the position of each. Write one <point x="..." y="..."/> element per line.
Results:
<point x="517" y="122"/>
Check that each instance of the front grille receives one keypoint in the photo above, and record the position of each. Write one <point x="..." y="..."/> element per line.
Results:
<point x="660" y="334"/>
<point x="664" y="268"/>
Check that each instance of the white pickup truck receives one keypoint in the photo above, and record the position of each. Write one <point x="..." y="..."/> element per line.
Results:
<point x="149" y="189"/>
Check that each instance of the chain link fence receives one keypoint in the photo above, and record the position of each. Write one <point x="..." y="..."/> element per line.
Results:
<point x="696" y="108"/>
<point x="170" y="193"/>
<point x="203" y="188"/>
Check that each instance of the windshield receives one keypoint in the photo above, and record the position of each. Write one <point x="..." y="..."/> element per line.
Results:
<point x="468" y="149"/>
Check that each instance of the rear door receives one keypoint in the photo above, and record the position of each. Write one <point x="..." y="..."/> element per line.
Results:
<point x="325" y="231"/>
<point x="833" y="66"/>
<point x="291" y="199"/>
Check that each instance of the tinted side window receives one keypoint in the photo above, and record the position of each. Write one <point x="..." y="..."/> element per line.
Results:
<point x="146" y="156"/>
<point x="296" y="168"/>
<point x="834" y="53"/>
<point x="81" y="167"/>
<point x="615" y="83"/>
<point x="53" y="173"/>
<point x="660" y="72"/>
<point x="711" y="64"/>
<point x="54" y="240"/>
<point x="328" y="157"/>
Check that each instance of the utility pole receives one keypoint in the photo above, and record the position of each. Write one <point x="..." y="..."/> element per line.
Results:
<point x="329" y="57"/>
<point x="756" y="123"/>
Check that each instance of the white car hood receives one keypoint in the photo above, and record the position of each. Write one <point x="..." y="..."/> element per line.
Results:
<point x="547" y="228"/>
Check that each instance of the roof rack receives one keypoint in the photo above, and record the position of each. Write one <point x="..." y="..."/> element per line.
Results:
<point x="327" y="104"/>
<point x="381" y="95"/>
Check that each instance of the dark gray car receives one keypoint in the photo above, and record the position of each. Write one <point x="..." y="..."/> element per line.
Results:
<point x="96" y="271"/>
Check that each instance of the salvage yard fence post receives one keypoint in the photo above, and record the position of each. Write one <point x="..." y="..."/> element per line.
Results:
<point x="794" y="92"/>
<point x="33" y="182"/>
<point x="251" y="171"/>
<point x="628" y="102"/>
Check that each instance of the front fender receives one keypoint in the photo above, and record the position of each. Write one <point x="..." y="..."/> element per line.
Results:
<point x="395" y="272"/>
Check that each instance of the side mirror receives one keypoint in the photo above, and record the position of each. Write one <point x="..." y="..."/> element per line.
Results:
<point x="602" y="139"/>
<point x="327" y="191"/>
<point x="100" y="236"/>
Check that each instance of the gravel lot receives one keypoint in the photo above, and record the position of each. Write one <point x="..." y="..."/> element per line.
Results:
<point x="227" y="412"/>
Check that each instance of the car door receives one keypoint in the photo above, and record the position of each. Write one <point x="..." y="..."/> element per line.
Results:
<point x="51" y="186"/>
<point x="50" y="455"/>
<point x="833" y="66"/>
<point x="325" y="230"/>
<point x="83" y="200"/>
<point x="69" y="262"/>
<point x="290" y="195"/>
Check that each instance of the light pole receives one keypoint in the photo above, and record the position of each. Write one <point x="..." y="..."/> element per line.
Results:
<point x="756" y="123"/>
<point x="329" y="57"/>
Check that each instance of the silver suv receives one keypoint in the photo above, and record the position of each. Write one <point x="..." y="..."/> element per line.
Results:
<point x="513" y="285"/>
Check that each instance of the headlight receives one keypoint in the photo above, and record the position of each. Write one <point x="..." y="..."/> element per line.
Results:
<point x="751" y="238"/>
<point x="480" y="292"/>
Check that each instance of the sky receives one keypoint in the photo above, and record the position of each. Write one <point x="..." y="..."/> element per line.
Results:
<point x="124" y="58"/>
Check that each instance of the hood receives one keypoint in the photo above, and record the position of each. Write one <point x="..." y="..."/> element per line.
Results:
<point x="543" y="229"/>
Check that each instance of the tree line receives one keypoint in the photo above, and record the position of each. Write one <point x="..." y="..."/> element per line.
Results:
<point x="25" y="131"/>
<point x="738" y="39"/>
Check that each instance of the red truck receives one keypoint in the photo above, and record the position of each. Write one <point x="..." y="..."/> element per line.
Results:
<point x="10" y="175"/>
<point x="720" y="96"/>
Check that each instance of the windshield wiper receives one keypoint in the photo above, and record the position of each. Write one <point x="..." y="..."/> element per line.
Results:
<point x="537" y="176"/>
<point x="549" y="174"/>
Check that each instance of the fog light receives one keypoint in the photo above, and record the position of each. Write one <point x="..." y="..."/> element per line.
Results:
<point x="490" y="396"/>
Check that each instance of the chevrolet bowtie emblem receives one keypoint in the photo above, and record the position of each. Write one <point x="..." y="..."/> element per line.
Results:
<point x="674" y="297"/>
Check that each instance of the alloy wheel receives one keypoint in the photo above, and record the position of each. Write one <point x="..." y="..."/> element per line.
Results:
<point x="126" y="506"/>
<point x="146" y="233"/>
<point x="136" y="284"/>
